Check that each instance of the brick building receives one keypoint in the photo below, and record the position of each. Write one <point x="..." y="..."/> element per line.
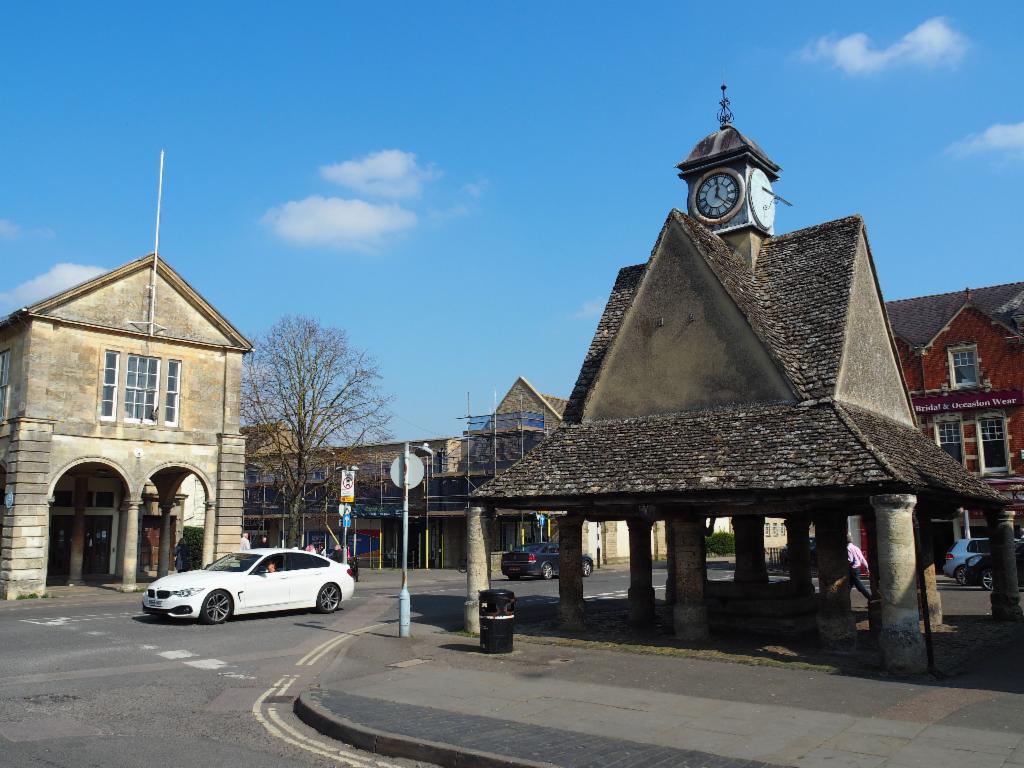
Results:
<point x="118" y="401"/>
<point x="962" y="354"/>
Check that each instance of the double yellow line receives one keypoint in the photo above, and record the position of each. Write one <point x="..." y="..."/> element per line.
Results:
<point x="318" y="653"/>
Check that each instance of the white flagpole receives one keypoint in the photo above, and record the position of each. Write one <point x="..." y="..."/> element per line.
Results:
<point x="156" y="249"/>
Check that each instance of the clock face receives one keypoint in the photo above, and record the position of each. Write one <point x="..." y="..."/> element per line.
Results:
<point x="762" y="199"/>
<point x="718" y="196"/>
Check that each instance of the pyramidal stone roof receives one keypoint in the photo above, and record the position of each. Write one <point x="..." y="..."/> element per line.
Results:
<point x="919" y="320"/>
<point x="797" y="301"/>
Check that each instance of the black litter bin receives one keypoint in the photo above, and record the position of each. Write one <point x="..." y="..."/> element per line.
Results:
<point x="497" y="620"/>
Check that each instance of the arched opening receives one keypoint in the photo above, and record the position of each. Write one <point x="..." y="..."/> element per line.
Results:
<point x="86" y="502"/>
<point x="178" y="522"/>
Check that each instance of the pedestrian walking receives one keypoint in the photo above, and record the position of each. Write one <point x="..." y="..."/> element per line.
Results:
<point x="263" y="542"/>
<point x="855" y="557"/>
<point x="181" y="556"/>
<point x="244" y="543"/>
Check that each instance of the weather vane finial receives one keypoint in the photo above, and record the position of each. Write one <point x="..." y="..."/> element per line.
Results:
<point x="724" y="113"/>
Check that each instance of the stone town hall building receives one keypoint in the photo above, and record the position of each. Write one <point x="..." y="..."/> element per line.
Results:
<point x="103" y="419"/>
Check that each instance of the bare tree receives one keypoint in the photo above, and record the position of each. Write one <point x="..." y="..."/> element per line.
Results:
<point x="308" y="394"/>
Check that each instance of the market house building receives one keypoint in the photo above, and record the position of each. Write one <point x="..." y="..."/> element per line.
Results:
<point x="738" y="373"/>
<point x="113" y="415"/>
<point x="963" y="359"/>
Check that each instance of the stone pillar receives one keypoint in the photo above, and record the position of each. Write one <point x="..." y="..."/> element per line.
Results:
<point x="836" y="627"/>
<point x="122" y="521"/>
<point x="210" y="533"/>
<point x="750" y="564"/>
<point x="798" y="548"/>
<point x="926" y="551"/>
<point x="476" y="566"/>
<point x="24" y="555"/>
<point x="1005" y="591"/>
<point x="900" y="638"/>
<point x="670" y="561"/>
<point x="80" y="496"/>
<point x="130" y="550"/>
<point x="230" y="490"/>
<point x="164" y="554"/>
<point x="570" y="572"/>
<point x="689" y="614"/>
<point x="641" y="588"/>
<point x="875" y="603"/>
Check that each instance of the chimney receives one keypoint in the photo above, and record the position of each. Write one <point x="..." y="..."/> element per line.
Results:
<point x="745" y="243"/>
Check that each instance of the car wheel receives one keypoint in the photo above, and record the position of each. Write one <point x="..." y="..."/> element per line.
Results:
<point x="986" y="579"/>
<point x="587" y="568"/>
<point x="960" y="574"/>
<point x="546" y="571"/>
<point x="216" y="608"/>
<point x="328" y="599"/>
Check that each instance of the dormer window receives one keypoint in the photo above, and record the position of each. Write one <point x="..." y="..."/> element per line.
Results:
<point x="963" y="367"/>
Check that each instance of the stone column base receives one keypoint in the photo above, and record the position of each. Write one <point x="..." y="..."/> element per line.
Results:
<point x="903" y="648"/>
<point x="641" y="605"/>
<point x="1006" y="610"/>
<point x="690" y="622"/>
<point x="837" y="632"/>
<point x="471" y="616"/>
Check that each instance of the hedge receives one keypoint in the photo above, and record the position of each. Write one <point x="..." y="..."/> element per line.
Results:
<point x="721" y="543"/>
<point x="193" y="535"/>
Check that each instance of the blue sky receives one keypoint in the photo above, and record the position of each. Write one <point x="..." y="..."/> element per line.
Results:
<point x="457" y="183"/>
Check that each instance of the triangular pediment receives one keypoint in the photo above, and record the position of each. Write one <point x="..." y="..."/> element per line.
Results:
<point x="119" y="300"/>
<point x="869" y="373"/>
<point x="683" y="343"/>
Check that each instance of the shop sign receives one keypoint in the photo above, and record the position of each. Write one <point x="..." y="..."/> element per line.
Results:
<point x="967" y="401"/>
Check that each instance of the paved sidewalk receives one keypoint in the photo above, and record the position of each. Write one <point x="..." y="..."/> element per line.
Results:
<point x="583" y="707"/>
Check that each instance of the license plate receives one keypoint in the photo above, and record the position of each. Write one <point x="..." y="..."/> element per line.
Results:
<point x="154" y="603"/>
<point x="513" y="567"/>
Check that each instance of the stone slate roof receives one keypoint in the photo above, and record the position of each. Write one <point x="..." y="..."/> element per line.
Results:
<point x="749" y="448"/>
<point x="919" y="320"/>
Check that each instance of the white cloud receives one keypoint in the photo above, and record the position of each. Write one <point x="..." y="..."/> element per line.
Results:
<point x="8" y="229"/>
<point x="998" y="138"/>
<point x="589" y="309"/>
<point x="476" y="188"/>
<point x="932" y="44"/>
<point x="58" y="278"/>
<point x="335" y="221"/>
<point x="388" y="173"/>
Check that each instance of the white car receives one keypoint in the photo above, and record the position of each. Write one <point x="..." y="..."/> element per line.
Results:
<point x="254" y="581"/>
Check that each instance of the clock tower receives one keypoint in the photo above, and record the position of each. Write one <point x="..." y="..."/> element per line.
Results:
<point x="730" y="186"/>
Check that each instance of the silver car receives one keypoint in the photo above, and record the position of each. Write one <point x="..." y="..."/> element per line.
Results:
<point x="956" y="558"/>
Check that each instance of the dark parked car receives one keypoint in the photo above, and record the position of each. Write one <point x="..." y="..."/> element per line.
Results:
<point x="978" y="570"/>
<point x="538" y="560"/>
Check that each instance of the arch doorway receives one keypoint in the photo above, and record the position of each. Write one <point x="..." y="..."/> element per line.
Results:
<point x="177" y="505"/>
<point x="85" y="519"/>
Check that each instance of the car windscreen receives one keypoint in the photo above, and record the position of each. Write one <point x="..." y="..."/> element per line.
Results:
<point x="527" y="548"/>
<point x="234" y="563"/>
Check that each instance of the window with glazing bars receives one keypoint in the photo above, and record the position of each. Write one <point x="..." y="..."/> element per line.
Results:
<point x="993" y="443"/>
<point x="172" y="399"/>
<point x="5" y="377"/>
<point x="951" y="439"/>
<point x="108" y="404"/>
<point x="140" y="388"/>
<point x="965" y="368"/>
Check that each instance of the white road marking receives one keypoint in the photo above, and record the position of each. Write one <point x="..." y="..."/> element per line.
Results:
<point x="206" y="664"/>
<point x="236" y="676"/>
<point x="149" y="647"/>
<point x="325" y="647"/>
<point x="61" y="621"/>
<point x="176" y="654"/>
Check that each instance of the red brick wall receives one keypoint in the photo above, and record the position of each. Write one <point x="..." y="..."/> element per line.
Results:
<point x="1000" y="359"/>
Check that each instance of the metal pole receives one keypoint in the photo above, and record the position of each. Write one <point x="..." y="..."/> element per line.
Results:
<point x="403" y="596"/>
<point x="156" y="249"/>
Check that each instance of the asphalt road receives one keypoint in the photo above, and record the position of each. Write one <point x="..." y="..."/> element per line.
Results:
<point x="91" y="681"/>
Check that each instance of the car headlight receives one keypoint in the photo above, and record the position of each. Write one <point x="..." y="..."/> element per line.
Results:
<point x="187" y="592"/>
<point x="974" y="559"/>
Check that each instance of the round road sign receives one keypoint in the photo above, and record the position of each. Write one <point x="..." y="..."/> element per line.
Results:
<point x="415" y="471"/>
